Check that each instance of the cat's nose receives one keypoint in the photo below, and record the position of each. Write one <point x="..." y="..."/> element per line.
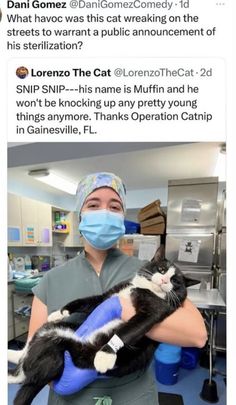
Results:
<point x="164" y="280"/>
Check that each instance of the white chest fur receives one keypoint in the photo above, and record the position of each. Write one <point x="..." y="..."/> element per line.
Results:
<point x="125" y="293"/>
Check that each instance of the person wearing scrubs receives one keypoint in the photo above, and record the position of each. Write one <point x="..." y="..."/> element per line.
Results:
<point x="101" y="208"/>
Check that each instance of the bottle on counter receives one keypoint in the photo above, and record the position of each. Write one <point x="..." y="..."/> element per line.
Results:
<point x="28" y="263"/>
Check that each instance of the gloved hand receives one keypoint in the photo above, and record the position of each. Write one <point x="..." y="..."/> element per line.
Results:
<point x="73" y="378"/>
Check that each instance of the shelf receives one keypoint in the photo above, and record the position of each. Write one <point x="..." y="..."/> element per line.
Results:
<point x="21" y="316"/>
<point x="64" y="232"/>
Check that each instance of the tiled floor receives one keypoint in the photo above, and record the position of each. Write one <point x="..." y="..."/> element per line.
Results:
<point x="189" y="385"/>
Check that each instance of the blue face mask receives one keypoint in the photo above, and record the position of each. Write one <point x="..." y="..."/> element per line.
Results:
<point x="102" y="228"/>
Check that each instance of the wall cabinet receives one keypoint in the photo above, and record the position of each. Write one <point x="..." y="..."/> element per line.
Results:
<point x="36" y="223"/>
<point x="14" y="220"/>
<point x="29" y="222"/>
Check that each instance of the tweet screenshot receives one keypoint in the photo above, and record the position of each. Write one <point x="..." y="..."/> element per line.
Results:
<point x="108" y="70"/>
<point x="116" y="129"/>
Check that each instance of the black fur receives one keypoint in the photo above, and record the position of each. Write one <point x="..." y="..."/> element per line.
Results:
<point x="44" y="361"/>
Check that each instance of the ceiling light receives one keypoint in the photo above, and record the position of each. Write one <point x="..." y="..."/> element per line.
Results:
<point x="53" y="180"/>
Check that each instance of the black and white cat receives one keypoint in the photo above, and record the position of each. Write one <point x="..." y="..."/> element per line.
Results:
<point x="117" y="349"/>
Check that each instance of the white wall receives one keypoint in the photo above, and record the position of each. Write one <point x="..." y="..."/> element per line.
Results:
<point x="140" y="198"/>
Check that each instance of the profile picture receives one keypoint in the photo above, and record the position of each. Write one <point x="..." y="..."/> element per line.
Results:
<point x="0" y="15"/>
<point x="22" y="72"/>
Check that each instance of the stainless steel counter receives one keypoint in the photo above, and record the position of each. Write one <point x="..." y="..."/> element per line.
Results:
<point x="207" y="299"/>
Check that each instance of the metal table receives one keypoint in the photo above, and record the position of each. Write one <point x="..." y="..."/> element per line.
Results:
<point x="212" y="301"/>
<point x="207" y="299"/>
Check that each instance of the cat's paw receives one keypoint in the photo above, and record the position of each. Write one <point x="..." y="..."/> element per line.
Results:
<point x="104" y="361"/>
<point x="14" y="355"/>
<point x="16" y="379"/>
<point x="58" y="315"/>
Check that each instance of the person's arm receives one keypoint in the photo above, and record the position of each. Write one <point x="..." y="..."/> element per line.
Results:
<point x="185" y="327"/>
<point x="39" y="315"/>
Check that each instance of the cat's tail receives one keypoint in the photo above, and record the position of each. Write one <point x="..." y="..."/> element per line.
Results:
<point x="27" y="393"/>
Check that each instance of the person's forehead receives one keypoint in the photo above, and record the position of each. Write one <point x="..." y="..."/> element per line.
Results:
<point x="104" y="193"/>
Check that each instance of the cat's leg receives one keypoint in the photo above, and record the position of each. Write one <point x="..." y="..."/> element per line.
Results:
<point x="13" y="356"/>
<point x="58" y="315"/>
<point x="40" y="368"/>
<point x="128" y="333"/>
<point x="16" y="376"/>
<point x="38" y="377"/>
<point x="86" y="305"/>
<point x="134" y="358"/>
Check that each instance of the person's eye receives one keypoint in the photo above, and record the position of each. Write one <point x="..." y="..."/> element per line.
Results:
<point x="116" y="208"/>
<point x="93" y="205"/>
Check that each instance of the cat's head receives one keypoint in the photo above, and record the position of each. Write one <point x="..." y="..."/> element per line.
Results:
<point x="164" y="276"/>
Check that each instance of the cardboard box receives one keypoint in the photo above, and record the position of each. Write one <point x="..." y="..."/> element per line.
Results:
<point x="157" y="229"/>
<point x="150" y="211"/>
<point x="153" y="221"/>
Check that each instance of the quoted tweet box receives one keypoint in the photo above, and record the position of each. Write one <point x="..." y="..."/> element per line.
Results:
<point x="116" y="99"/>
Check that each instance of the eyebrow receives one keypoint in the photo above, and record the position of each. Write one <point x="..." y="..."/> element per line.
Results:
<point x="99" y="199"/>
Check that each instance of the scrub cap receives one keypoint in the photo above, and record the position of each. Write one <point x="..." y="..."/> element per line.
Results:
<point x="97" y="180"/>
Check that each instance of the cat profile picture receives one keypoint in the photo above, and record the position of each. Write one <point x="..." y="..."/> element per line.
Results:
<point x="22" y="72"/>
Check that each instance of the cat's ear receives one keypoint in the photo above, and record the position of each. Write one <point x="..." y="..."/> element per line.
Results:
<point x="190" y="281"/>
<point x="159" y="255"/>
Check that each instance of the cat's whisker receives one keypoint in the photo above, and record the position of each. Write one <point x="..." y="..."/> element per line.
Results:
<point x="171" y="299"/>
<point x="168" y="298"/>
<point x="176" y="298"/>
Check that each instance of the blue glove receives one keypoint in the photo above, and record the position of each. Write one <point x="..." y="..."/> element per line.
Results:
<point x="73" y="378"/>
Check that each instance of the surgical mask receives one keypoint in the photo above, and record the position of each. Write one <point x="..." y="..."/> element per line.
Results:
<point x="102" y="228"/>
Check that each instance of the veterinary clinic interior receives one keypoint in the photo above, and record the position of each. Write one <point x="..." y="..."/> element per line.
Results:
<point x="176" y="197"/>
